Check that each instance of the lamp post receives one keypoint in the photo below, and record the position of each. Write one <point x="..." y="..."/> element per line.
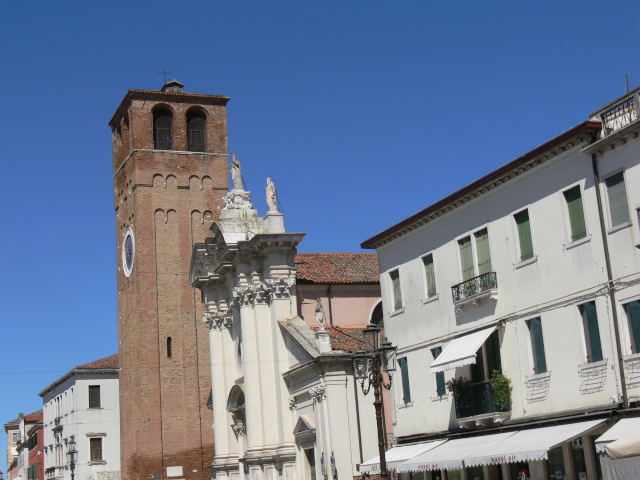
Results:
<point x="72" y="455"/>
<point x="367" y="365"/>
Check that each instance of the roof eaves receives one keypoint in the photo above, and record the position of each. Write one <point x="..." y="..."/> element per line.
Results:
<point x="503" y="174"/>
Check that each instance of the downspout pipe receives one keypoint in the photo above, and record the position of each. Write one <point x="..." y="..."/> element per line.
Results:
<point x="612" y="293"/>
<point x="330" y="309"/>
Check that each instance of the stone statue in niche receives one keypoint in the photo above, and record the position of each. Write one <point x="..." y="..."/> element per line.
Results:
<point x="320" y="315"/>
<point x="236" y="172"/>
<point x="272" y="201"/>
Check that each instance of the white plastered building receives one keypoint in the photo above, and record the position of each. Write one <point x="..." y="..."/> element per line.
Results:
<point x="83" y="403"/>
<point x="534" y="271"/>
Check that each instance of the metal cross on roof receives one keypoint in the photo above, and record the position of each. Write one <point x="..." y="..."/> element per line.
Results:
<point x="165" y="73"/>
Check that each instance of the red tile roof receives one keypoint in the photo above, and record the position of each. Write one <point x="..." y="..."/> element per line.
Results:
<point x="104" y="363"/>
<point x="337" y="268"/>
<point x="349" y="339"/>
<point x="31" y="417"/>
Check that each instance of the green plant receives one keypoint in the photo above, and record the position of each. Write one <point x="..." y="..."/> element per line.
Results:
<point x="501" y="386"/>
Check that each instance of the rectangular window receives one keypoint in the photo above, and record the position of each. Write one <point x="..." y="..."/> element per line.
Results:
<point x="397" y="294"/>
<point x="524" y="234"/>
<point x="466" y="258"/>
<point x="617" y="193"/>
<point x="440" y="385"/>
<point x="404" y="371"/>
<point x="591" y="332"/>
<point x="429" y="274"/>
<point x="633" y="317"/>
<point x="16" y="437"/>
<point x="482" y="250"/>
<point x="576" y="213"/>
<point x="537" y="346"/>
<point x="95" y="445"/>
<point x="94" y="396"/>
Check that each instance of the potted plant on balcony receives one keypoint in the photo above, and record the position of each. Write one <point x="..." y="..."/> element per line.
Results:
<point x="501" y="386"/>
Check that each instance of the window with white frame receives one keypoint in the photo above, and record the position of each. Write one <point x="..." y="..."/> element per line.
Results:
<point x="591" y="332"/>
<point x="475" y="255"/>
<point x="395" y="289"/>
<point x="538" y="356"/>
<point x="430" y="275"/>
<point x="617" y="199"/>
<point x="525" y="241"/>
<point x="575" y="211"/>
<point x="632" y="310"/>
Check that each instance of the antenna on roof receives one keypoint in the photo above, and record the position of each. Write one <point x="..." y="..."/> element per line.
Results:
<point x="627" y="82"/>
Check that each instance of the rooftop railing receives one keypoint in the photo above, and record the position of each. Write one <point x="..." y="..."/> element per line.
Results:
<point x="619" y="116"/>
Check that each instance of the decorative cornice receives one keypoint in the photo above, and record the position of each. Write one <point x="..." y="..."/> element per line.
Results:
<point x="278" y="287"/>
<point x="532" y="159"/>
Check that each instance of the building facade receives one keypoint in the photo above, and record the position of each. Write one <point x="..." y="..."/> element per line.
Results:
<point x="83" y="405"/>
<point x="286" y="404"/>
<point x="169" y="173"/>
<point x="18" y="431"/>
<point x="532" y="272"/>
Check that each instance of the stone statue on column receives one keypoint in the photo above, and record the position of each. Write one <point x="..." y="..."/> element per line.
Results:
<point x="320" y="316"/>
<point x="236" y="172"/>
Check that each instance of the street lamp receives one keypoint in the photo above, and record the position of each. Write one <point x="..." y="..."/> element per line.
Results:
<point x="72" y="455"/>
<point x="367" y="365"/>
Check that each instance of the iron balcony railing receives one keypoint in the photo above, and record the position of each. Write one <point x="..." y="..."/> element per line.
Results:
<point x="476" y="399"/>
<point x="619" y="116"/>
<point x="474" y="286"/>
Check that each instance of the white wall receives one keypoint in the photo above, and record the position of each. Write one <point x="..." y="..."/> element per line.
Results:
<point x="551" y="287"/>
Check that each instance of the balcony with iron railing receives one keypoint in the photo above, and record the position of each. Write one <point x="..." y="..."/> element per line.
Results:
<point x="619" y="114"/>
<point x="476" y="406"/>
<point x="473" y="290"/>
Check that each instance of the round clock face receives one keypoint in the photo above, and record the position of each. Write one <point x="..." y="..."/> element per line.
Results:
<point x="128" y="252"/>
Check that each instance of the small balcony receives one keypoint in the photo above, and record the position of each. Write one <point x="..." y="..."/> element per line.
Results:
<point x="618" y="115"/>
<point x="476" y="406"/>
<point x="472" y="291"/>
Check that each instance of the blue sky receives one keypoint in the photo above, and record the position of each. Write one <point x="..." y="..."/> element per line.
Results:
<point x="361" y="112"/>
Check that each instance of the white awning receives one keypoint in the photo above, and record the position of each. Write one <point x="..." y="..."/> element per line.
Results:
<point x="451" y="454"/>
<point x="532" y="444"/>
<point x="396" y="455"/>
<point x="621" y="429"/>
<point x="461" y="351"/>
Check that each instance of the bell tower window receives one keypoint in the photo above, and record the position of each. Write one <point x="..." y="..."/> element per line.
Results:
<point x="162" y="126"/>
<point x="196" y="129"/>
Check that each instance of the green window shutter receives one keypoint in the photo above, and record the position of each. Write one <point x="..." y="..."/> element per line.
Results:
<point x="633" y="313"/>
<point x="576" y="213"/>
<point x="618" y="206"/>
<point x="440" y="385"/>
<point x="404" y="370"/>
<point x="466" y="258"/>
<point x="94" y="396"/>
<point x="537" y="342"/>
<point x="593" y="332"/>
<point x="430" y="274"/>
<point x="397" y="293"/>
<point x="524" y="234"/>
<point x="482" y="249"/>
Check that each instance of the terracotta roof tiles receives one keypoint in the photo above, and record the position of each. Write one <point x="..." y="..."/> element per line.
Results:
<point x="346" y="268"/>
<point x="349" y="339"/>
<point x="102" y="364"/>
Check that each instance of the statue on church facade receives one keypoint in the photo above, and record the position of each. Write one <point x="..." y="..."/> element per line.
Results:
<point x="320" y="315"/>
<point x="272" y="201"/>
<point x="236" y="172"/>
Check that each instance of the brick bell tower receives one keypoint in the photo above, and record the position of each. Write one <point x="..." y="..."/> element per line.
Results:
<point x="169" y="176"/>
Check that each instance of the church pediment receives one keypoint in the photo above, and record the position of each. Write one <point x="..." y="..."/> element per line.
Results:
<point x="304" y="427"/>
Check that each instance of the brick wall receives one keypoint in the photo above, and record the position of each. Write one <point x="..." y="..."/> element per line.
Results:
<point x="169" y="199"/>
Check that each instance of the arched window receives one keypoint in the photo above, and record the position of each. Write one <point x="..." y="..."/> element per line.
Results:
<point x="162" y="124"/>
<point x="376" y="315"/>
<point x="168" y="347"/>
<point x="196" y="128"/>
